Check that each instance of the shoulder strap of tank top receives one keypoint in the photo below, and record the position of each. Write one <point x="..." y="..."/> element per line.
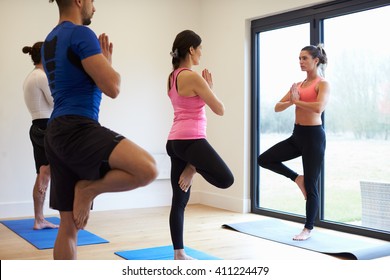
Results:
<point x="175" y="74"/>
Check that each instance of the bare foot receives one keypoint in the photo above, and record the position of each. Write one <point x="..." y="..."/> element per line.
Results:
<point x="41" y="224"/>
<point x="185" y="180"/>
<point x="300" y="181"/>
<point x="81" y="204"/>
<point x="304" y="235"/>
<point x="181" y="255"/>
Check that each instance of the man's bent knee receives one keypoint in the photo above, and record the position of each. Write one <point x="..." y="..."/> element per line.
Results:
<point x="148" y="175"/>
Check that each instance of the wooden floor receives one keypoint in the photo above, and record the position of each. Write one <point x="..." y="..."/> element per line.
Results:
<point x="142" y="228"/>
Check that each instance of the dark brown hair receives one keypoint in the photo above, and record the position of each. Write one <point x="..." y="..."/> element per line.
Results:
<point x="317" y="52"/>
<point x="182" y="44"/>
<point x="61" y="3"/>
<point x="34" y="52"/>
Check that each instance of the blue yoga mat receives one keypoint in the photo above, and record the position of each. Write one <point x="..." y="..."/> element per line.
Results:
<point x="45" y="238"/>
<point x="334" y="244"/>
<point x="161" y="253"/>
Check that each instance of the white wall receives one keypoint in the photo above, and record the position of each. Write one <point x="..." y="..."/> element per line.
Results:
<point x="142" y="32"/>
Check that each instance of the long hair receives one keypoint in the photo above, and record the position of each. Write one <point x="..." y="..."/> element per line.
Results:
<point x="182" y="44"/>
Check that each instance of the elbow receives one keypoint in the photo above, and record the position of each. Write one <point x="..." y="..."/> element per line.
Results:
<point x="116" y="86"/>
<point x="220" y="111"/>
<point x="112" y="92"/>
<point x="113" y="89"/>
<point x="277" y="107"/>
<point x="319" y="110"/>
<point x="115" y="92"/>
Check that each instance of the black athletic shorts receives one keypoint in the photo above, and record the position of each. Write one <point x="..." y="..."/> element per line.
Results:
<point x="37" y="135"/>
<point x="77" y="148"/>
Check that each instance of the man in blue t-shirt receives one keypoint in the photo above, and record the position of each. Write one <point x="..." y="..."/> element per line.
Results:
<point x="86" y="158"/>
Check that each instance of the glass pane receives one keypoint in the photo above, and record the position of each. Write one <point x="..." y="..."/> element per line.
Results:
<point x="358" y="119"/>
<point x="279" y="69"/>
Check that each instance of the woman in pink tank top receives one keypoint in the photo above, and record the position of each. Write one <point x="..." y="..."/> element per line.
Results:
<point x="187" y="146"/>
<point x="308" y="139"/>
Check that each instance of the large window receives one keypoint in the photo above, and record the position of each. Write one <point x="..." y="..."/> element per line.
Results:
<point x="355" y="179"/>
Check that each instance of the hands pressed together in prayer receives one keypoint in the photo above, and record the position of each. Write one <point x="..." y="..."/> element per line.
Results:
<point x="208" y="77"/>
<point x="294" y="94"/>
<point x="106" y="46"/>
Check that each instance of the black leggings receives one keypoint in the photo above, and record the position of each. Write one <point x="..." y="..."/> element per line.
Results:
<point x="207" y="162"/>
<point x="308" y="142"/>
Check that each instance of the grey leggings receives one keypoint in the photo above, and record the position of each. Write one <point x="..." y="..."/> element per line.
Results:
<point x="308" y="142"/>
<point x="207" y="162"/>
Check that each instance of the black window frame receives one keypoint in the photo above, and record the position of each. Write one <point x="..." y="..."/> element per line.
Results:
<point x="314" y="15"/>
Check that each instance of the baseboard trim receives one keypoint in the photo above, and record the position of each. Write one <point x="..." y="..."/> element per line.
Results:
<point x="132" y="200"/>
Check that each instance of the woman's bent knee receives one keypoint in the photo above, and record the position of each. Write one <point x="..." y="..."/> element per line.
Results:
<point x="260" y="161"/>
<point x="227" y="183"/>
<point x="263" y="161"/>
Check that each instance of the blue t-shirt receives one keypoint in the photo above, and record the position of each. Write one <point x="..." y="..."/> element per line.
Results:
<point x="73" y="90"/>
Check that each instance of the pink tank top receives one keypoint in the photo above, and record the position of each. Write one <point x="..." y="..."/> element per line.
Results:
<point x="189" y="113"/>
<point x="309" y="94"/>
